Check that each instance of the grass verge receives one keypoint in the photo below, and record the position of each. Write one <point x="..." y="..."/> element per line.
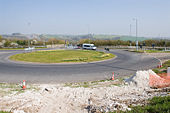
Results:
<point x="94" y="84"/>
<point x="6" y="89"/>
<point x="163" y="69"/>
<point x="62" y="56"/>
<point x="149" y="51"/>
<point x="4" y="112"/>
<point x="20" y="48"/>
<point x="155" y="105"/>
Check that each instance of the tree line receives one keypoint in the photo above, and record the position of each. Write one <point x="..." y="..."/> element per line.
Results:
<point x="51" y="41"/>
<point x="28" y="42"/>
<point x="158" y="43"/>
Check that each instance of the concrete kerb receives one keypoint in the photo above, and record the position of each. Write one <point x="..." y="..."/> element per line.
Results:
<point x="155" y="58"/>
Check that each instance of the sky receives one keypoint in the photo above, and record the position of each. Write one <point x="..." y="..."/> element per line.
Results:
<point x="86" y="16"/>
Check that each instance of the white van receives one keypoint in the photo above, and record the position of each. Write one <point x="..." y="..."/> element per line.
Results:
<point x="29" y="48"/>
<point x="89" y="46"/>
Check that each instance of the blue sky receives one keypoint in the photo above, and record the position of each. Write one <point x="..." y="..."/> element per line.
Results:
<point x="81" y="16"/>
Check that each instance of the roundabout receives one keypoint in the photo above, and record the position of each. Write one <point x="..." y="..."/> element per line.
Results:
<point x="62" y="56"/>
<point x="125" y="64"/>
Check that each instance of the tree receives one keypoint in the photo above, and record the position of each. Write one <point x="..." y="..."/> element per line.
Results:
<point x="52" y="41"/>
<point x="7" y="43"/>
<point x="0" y="38"/>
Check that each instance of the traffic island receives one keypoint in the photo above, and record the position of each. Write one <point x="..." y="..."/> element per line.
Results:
<point x="62" y="56"/>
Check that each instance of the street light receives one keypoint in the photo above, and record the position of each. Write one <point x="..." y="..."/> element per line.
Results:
<point x="88" y="30"/>
<point x="130" y="30"/>
<point x="29" y="24"/>
<point x="135" y="19"/>
<point x="130" y="33"/>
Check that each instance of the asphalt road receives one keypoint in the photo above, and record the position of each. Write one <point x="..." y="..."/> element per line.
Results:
<point x="126" y="63"/>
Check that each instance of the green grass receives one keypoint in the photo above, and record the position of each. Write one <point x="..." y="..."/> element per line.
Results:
<point x="4" y="112"/>
<point x="163" y="69"/>
<point x="155" y="105"/>
<point x="62" y="56"/>
<point x="7" y="88"/>
<point x="150" y="51"/>
<point x="19" y="48"/>
<point x="76" y="85"/>
<point x="94" y="84"/>
<point x="11" y="48"/>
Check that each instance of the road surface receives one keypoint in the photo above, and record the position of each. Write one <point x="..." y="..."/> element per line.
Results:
<point x="125" y="64"/>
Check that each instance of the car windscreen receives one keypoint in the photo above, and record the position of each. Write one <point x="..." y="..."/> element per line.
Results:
<point x="86" y="45"/>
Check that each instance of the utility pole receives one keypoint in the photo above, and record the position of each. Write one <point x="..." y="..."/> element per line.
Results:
<point x="28" y="43"/>
<point x="136" y="33"/>
<point x="130" y="30"/>
<point x="88" y="33"/>
<point x="130" y="34"/>
<point x="29" y="37"/>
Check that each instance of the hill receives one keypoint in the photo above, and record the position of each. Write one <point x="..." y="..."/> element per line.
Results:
<point x="75" y="37"/>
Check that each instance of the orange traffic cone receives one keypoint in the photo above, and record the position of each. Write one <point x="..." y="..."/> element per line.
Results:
<point x="113" y="76"/>
<point x="23" y="85"/>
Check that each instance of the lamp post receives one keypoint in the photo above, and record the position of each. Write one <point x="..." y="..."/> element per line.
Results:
<point x="130" y="33"/>
<point x="130" y="30"/>
<point x="88" y="30"/>
<point x="135" y="19"/>
<point x="29" y="24"/>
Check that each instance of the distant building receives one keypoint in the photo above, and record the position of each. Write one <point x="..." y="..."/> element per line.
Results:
<point x="55" y="46"/>
<point x="34" y="41"/>
<point x="13" y="44"/>
<point x="16" y="34"/>
<point x="2" y="43"/>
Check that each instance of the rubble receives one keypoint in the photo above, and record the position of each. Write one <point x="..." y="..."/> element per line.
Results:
<point x="61" y="99"/>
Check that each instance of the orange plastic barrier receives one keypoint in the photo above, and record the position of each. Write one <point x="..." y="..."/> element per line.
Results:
<point x="156" y="81"/>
